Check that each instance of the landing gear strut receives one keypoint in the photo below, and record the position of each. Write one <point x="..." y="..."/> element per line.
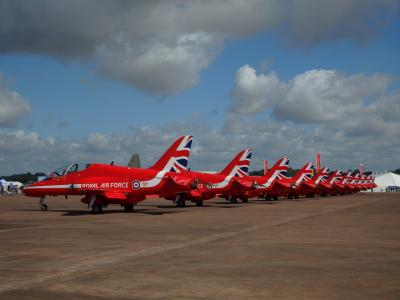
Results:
<point x="180" y="202"/>
<point x="43" y="206"/>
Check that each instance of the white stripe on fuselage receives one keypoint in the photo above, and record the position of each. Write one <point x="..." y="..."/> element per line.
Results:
<point x="153" y="182"/>
<point x="269" y="180"/>
<point x="223" y="183"/>
<point x="59" y="186"/>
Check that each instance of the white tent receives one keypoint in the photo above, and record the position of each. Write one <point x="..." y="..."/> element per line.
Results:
<point x="10" y="186"/>
<point x="386" y="182"/>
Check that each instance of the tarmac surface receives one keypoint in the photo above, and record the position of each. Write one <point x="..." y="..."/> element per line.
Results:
<point x="345" y="247"/>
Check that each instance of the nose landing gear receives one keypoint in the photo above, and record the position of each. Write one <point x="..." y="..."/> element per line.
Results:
<point x="43" y="206"/>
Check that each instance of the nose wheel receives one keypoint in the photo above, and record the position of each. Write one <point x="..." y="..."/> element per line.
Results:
<point x="43" y="206"/>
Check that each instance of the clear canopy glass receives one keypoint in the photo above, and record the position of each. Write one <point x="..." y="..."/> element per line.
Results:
<point x="68" y="169"/>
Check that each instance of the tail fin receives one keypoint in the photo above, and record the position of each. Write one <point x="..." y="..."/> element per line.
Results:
<point x="176" y="158"/>
<point x="346" y="178"/>
<point x="355" y="179"/>
<point x="239" y="166"/>
<point x="279" y="169"/>
<point x="305" y="173"/>
<point x="335" y="177"/>
<point x="322" y="175"/>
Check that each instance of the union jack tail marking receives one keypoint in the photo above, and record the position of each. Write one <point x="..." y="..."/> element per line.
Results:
<point x="176" y="158"/>
<point x="239" y="166"/>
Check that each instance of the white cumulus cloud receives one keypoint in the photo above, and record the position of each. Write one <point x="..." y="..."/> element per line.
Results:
<point x="12" y="104"/>
<point x="311" y="97"/>
<point x="161" y="47"/>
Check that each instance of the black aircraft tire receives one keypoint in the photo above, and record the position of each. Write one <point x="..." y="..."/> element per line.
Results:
<point x="199" y="203"/>
<point x="128" y="207"/>
<point x="97" y="209"/>
<point x="245" y="200"/>
<point x="43" y="207"/>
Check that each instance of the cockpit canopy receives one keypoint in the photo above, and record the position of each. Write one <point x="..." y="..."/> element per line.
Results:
<point x="68" y="169"/>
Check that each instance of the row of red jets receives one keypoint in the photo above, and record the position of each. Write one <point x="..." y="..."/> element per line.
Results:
<point x="170" y="178"/>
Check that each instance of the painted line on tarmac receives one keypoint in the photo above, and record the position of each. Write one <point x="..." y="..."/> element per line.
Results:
<point x="46" y="226"/>
<point x="110" y="258"/>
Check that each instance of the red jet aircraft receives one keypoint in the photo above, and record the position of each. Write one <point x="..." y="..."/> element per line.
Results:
<point x="370" y="184"/>
<point x="321" y="182"/>
<point x="210" y="185"/>
<point x="334" y="183"/>
<point x="262" y="186"/>
<point x="288" y="185"/>
<point x="102" y="184"/>
<point x="348" y="188"/>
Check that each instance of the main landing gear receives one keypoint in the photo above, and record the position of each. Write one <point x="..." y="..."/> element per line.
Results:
<point x="128" y="207"/>
<point x="199" y="203"/>
<point x="43" y="206"/>
<point x="267" y="197"/>
<point x="232" y="199"/>
<point x="96" y="208"/>
<point x="180" y="202"/>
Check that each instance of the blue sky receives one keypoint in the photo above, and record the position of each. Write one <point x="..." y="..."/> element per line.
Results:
<point x="71" y="99"/>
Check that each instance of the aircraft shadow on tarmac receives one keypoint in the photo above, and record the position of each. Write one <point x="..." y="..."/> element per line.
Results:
<point x="261" y="201"/>
<point x="75" y="213"/>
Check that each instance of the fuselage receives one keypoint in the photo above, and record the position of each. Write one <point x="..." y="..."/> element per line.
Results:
<point x="113" y="181"/>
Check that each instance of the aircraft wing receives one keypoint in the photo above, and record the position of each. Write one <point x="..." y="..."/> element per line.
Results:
<point x="307" y="184"/>
<point x="181" y="180"/>
<point x="283" y="184"/>
<point x="244" y="183"/>
<point x="325" y="184"/>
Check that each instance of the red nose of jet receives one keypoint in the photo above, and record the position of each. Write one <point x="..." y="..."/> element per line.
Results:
<point x="39" y="189"/>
